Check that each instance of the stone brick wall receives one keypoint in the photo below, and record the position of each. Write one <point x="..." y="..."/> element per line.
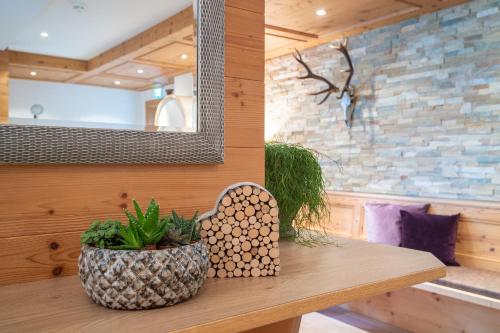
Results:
<point x="428" y="118"/>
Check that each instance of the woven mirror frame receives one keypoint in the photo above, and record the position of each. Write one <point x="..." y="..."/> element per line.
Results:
<point x="64" y="145"/>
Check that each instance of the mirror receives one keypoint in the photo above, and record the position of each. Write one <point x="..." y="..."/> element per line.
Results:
<point x="112" y="64"/>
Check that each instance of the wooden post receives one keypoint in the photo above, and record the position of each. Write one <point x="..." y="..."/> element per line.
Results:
<point x="4" y="87"/>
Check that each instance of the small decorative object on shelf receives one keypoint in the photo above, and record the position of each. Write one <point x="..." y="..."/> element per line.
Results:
<point x="149" y="263"/>
<point x="242" y="232"/>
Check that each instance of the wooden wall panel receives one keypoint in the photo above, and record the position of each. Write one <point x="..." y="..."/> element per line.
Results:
<point x="44" y="208"/>
<point x="244" y="118"/>
<point x="478" y="240"/>
<point x="243" y="44"/>
<point x="4" y="87"/>
<point x="421" y="311"/>
<point x="252" y="6"/>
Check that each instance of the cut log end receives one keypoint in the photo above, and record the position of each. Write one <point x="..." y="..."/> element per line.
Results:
<point x="243" y="234"/>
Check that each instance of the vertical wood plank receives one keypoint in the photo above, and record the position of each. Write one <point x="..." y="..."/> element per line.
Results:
<point x="4" y="87"/>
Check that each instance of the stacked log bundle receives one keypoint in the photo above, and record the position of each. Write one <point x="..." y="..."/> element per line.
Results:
<point x="242" y="233"/>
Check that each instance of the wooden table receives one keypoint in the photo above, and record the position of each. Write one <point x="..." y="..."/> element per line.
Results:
<point x="311" y="279"/>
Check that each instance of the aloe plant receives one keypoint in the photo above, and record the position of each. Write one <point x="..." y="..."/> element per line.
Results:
<point x="131" y="238"/>
<point x="149" y="226"/>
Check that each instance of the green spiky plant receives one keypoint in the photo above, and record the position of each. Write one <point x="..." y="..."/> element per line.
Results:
<point x="144" y="229"/>
<point x="295" y="178"/>
<point x="149" y="226"/>
<point x="102" y="234"/>
<point x="181" y="231"/>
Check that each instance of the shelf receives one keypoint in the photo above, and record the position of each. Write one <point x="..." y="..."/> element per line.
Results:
<point x="311" y="279"/>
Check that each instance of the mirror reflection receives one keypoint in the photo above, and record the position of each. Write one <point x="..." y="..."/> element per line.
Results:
<point x="116" y="64"/>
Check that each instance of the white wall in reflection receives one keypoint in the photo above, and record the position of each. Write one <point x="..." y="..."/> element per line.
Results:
<point x="75" y="105"/>
<point x="178" y="109"/>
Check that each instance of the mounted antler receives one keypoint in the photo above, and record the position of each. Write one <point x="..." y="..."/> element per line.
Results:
<point x="310" y="75"/>
<point x="347" y="95"/>
<point x="342" y="48"/>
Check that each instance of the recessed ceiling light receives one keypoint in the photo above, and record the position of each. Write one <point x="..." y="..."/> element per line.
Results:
<point x="44" y="34"/>
<point x="140" y="71"/>
<point x="117" y="83"/>
<point x="321" y="12"/>
<point x="184" y="56"/>
<point x="33" y="73"/>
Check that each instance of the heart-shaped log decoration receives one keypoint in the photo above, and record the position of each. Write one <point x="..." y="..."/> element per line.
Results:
<point x="242" y="233"/>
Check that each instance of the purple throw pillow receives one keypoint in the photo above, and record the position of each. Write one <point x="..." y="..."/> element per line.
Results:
<point x="431" y="233"/>
<point x="383" y="221"/>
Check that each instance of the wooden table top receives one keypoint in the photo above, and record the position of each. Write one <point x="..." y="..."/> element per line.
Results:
<point x="311" y="279"/>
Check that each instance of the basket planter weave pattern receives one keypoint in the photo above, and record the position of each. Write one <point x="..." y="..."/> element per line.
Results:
<point x="135" y="280"/>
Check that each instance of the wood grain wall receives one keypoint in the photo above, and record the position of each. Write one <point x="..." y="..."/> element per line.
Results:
<point x="44" y="208"/>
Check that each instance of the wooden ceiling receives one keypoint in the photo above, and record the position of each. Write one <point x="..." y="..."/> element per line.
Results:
<point x="158" y="51"/>
<point x="145" y="61"/>
<point x="294" y="24"/>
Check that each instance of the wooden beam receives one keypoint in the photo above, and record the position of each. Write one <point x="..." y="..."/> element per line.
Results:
<point x="276" y="31"/>
<point x="4" y="87"/>
<point x="33" y="60"/>
<point x="170" y="30"/>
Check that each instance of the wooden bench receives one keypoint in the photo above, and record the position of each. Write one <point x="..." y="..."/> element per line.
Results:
<point x="468" y="299"/>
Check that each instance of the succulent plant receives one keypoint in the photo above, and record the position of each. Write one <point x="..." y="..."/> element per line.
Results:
<point x="130" y="238"/>
<point x="181" y="231"/>
<point x="143" y="229"/>
<point x="102" y="234"/>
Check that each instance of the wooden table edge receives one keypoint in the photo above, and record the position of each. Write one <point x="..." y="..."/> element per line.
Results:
<point x="262" y="317"/>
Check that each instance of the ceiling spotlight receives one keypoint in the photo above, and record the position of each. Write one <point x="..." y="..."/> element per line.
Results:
<point x="184" y="56"/>
<point x="140" y="71"/>
<point x="44" y="34"/>
<point x="33" y="73"/>
<point x="321" y="12"/>
<point x="118" y="83"/>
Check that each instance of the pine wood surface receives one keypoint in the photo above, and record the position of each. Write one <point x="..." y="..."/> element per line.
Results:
<point x="311" y="279"/>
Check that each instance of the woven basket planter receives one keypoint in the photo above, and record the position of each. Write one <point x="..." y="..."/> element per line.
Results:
<point x="136" y="280"/>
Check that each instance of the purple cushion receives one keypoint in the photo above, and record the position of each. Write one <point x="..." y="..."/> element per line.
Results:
<point x="383" y="221"/>
<point x="431" y="233"/>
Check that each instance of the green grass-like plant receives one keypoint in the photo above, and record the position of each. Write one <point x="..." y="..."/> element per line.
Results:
<point x="295" y="178"/>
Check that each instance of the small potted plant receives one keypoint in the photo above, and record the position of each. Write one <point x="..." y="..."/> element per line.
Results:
<point x="149" y="263"/>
